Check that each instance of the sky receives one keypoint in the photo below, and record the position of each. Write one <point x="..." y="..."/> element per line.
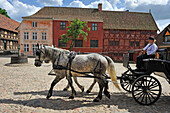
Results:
<point x="160" y="9"/>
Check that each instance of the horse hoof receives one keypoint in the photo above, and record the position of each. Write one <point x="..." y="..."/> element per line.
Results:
<point x="65" y="89"/>
<point x="71" y="97"/>
<point x="96" y="100"/>
<point x="48" y="97"/>
<point x="88" y="91"/>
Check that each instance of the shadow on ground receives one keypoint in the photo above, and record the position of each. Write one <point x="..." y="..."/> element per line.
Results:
<point x="122" y="100"/>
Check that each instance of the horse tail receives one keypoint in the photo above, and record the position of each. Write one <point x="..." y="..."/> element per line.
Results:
<point x="112" y="72"/>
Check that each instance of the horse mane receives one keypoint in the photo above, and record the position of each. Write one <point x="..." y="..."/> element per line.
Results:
<point x="58" y="49"/>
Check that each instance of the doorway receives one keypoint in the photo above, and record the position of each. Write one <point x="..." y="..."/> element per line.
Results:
<point x="130" y="56"/>
<point x="5" y="45"/>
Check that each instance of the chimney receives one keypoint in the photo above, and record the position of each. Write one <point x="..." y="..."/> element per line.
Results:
<point x="100" y="6"/>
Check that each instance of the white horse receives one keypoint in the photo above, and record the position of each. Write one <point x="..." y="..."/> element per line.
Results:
<point x="81" y="63"/>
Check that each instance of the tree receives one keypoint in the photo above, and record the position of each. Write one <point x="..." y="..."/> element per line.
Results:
<point x="75" y="30"/>
<point x="3" y="12"/>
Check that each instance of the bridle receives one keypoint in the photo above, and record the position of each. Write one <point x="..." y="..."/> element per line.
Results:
<point x="38" y="53"/>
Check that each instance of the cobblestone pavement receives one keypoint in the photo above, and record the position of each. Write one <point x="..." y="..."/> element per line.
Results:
<point x="23" y="88"/>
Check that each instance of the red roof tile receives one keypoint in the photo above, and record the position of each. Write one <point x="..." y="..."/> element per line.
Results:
<point x="8" y="24"/>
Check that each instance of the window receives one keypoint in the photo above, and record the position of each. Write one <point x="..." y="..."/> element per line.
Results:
<point x="61" y="44"/>
<point x="116" y="31"/>
<point x="34" y="24"/>
<point x="78" y="43"/>
<point x="120" y="54"/>
<point x="34" y="35"/>
<point x="62" y="25"/>
<point x="142" y="32"/>
<point x="137" y="43"/>
<point x="147" y="32"/>
<point x="115" y="54"/>
<point x="34" y="48"/>
<point x="26" y="47"/>
<point x="167" y="38"/>
<point x="93" y="43"/>
<point x="116" y="43"/>
<point x="110" y="43"/>
<point x="111" y="32"/>
<point x="132" y="43"/>
<point x="153" y="33"/>
<point x="127" y="32"/>
<point x="26" y="35"/>
<point x="43" y="35"/>
<point x="94" y="26"/>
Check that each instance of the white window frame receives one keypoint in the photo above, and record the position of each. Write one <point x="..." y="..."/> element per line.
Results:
<point x="34" y="24"/>
<point x="26" y="35"/>
<point x="34" y="48"/>
<point x="43" y="35"/>
<point x="26" y="47"/>
<point x="34" y="35"/>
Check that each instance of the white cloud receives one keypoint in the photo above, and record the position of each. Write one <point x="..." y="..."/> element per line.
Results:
<point x="17" y="9"/>
<point x="51" y="2"/>
<point x="135" y="3"/>
<point x="105" y="4"/>
<point x="162" y="23"/>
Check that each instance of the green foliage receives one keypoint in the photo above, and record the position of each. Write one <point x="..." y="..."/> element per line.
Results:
<point x="75" y="30"/>
<point x="3" y="12"/>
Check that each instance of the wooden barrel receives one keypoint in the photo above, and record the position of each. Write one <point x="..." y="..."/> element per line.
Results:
<point x="19" y="59"/>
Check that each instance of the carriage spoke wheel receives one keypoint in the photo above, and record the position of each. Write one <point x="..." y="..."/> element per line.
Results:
<point x="127" y="81"/>
<point x="146" y="90"/>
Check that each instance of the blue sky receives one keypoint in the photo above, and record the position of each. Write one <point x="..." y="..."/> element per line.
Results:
<point x="160" y="8"/>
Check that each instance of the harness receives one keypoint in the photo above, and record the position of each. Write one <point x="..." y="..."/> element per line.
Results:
<point x="71" y="57"/>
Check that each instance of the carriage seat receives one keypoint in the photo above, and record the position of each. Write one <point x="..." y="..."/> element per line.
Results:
<point x="162" y="50"/>
<point x="142" y="72"/>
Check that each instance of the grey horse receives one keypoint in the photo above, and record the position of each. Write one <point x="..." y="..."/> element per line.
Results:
<point x="81" y="63"/>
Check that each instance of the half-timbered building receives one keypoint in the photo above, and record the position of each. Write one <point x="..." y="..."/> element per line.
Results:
<point x="8" y="35"/>
<point x="163" y="39"/>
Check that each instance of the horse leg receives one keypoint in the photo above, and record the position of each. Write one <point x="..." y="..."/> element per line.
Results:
<point x="67" y="87"/>
<point x="91" y="87"/>
<point x="101" y="86"/>
<point x="80" y="86"/>
<point x="55" y="81"/>
<point x="106" y="92"/>
<point x="71" y="85"/>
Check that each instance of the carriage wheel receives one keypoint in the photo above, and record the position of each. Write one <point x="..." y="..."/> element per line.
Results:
<point x="146" y="90"/>
<point x="126" y="82"/>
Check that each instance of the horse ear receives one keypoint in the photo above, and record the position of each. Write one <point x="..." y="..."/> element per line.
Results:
<point x="38" y="46"/>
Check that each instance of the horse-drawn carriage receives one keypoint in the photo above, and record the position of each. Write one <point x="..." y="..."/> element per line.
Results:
<point x="145" y="88"/>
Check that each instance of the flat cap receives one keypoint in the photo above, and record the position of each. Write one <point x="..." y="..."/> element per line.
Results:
<point x="151" y="38"/>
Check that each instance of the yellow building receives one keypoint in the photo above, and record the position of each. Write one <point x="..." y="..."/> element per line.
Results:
<point x="8" y="35"/>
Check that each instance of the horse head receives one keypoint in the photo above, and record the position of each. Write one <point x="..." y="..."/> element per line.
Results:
<point x="40" y="56"/>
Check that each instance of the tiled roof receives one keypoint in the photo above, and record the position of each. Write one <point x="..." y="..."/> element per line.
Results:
<point x="111" y="19"/>
<point x="128" y="20"/>
<point x="8" y="24"/>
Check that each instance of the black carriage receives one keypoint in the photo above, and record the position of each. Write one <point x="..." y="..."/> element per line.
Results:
<point x="145" y="88"/>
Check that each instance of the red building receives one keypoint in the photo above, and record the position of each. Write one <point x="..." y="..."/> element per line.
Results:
<point x="112" y="32"/>
<point x="94" y="41"/>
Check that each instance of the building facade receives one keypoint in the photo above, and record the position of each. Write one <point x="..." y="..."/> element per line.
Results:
<point x="94" y="41"/>
<point x="33" y="31"/>
<point x="8" y="35"/>
<point x="112" y="32"/>
<point x="163" y="39"/>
